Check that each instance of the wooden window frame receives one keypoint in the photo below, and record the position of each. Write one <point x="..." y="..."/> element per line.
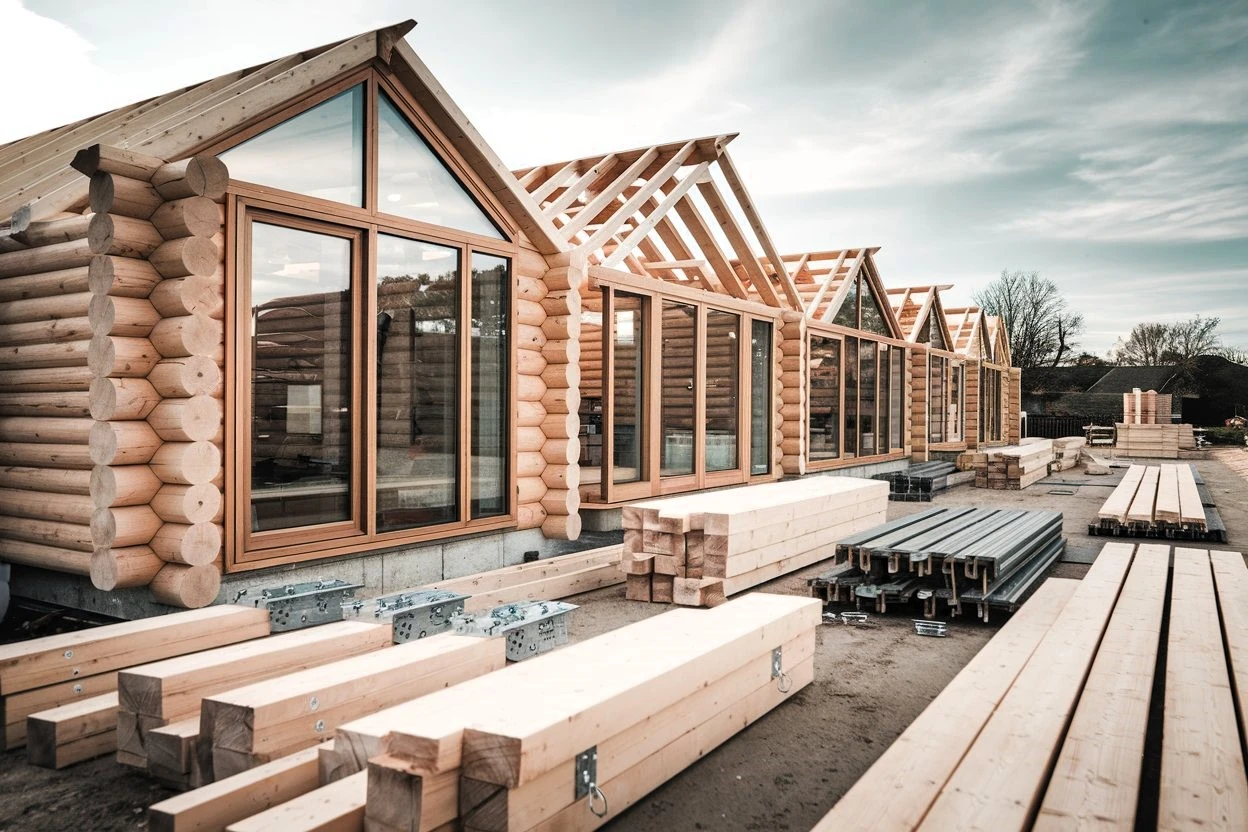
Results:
<point x="244" y="201"/>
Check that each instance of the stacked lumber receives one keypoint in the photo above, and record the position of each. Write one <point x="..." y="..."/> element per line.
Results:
<point x="698" y="549"/>
<point x="1046" y="727"/>
<point x="1013" y="467"/>
<point x="1148" y="441"/>
<point x="1146" y="408"/>
<point x="1159" y="501"/>
<point x="78" y="671"/>
<point x="989" y="558"/>
<point x="1066" y="452"/>
<point x="158" y="711"/>
<point x="544" y="579"/>
<point x="110" y="351"/>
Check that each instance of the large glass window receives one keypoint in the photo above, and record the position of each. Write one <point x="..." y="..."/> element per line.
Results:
<point x="723" y="370"/>
<point x="866" y="398"/>
<point x="847" y="315"/>
<point x="319" y="152"/>
<point x="302" y="386"/>
<point x="760" y="397"/>
<point x="937" y="401"/>
<point x="884" y="405"/>
<point x="956" y="399"/>
<point x="872" y="319"/>
<point x="851" y="397"/>
<point x="824" y="429"/>
<point x="897" y="400"/>
<point x="628" y="381"/>
<point x="989" y="405"/>
<point x="490" y="370"/>
<point x="679" y="377"/>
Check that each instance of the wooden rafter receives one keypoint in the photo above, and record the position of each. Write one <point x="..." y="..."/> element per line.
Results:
<point x="578" y="187"/>
<point x="736" y="239"/>
<point x="609" y="193"/>
<point x="635" y="201"/>
<point x="834" y="304"/>
<point x="823" y="288"/>
<point x="702" y="235"/>
<point x="737" y="186"/>
<point x="647" y="225"/>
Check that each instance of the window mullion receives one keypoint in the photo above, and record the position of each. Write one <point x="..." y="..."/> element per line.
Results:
<point x="367" y="452"/>
<point x="464" y="405"/>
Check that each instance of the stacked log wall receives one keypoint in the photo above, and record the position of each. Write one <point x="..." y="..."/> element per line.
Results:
<point x="919" y="412"/>
<point x="793" y="392"/>
<point x="1013" y="407"/>
<point x="971" y="430"/>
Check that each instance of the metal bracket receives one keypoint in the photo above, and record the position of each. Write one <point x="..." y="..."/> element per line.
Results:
<point x="939" y="629"/>
<point x="530" y="628"/>
<point x="414" y="615"/>
<point x="777" y="663"/>
<point x="295" y="606"/>
<point x="586" y="772"/>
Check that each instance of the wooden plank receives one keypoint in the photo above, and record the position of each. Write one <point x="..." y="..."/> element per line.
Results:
<point x="918" y="764"/>
<point x="213" y="807"/>
<point x="527" y="573"/>
<point x="172" y="747"/>
<point x="334" y="808"/>
<point x="1191" y="507"/>
<point x="1096" y="782"/>
<point x="736" y="238"/>
<point x="172" y="689"/>
<point x="1141" y="510"/>
<point x="71" y="733"/>
<point x="1000" y="781"/>
<point x="1167" y="507"/>
<point x="1231" y="578"/>
<point x="1203" y="783"/>
<point x="737" y="185"/>
<point x="63" y="658"/>
<point x="549" y="589"/>
<point x="17" y="707"/>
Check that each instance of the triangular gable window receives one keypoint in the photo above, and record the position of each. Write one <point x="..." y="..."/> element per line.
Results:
<point x="936" y="332"/>
<point x="873" y="319"/>
<point x="413" y="182"/>
<point x="319" y="152"/>
<point x="847" y="315"/>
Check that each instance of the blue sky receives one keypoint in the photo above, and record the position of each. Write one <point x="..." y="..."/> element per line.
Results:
<point x="1103" y="144"/>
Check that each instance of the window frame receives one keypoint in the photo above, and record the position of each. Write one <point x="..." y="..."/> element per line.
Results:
<point x="244" y="202"/>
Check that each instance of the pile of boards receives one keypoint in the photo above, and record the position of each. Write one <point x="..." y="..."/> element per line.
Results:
<point x="700" y="548"/>
<point x="544" y="579"/>
<point x="1154" y="441"/>
<point x="917" y="483"/>
<point x="60" y="692"/>
<point x="1046" y="727"/>
<point x="568" y="740"/>
<point x="1160" y="501"/>
<point x="1146" y="407"/>
<point x="1066" y="453"/>
<point x="989" y="558"/>
<point x="1012" y="467"/>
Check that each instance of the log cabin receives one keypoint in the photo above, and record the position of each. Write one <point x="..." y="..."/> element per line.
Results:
<point x="300" y="322"/>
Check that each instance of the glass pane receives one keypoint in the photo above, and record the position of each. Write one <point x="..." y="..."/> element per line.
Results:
<point x="301" y="390"/>
<point x="417" y="383"/>
<point x="866" y="398"/>
<point x="847" y="315"/>
<point x="851" y="397"/>
<point x="413" y="182"/>
<point x="723" y="374"/>
<point x="872" y="317"/>
<point x="898" y="397"/>
<point x="676" y="405"/>
<point x="627" y="379"/>
<point x="937" y="335"/>
<point x="936" y="399"/>
<point x="760" y="397"/>
<point x="885" y="402"/>
<point x="592" y="351"/>
<point x="319" y="152"/>
<point x="824" y="430"/>
<point x="954" y="426"/>
<point x="490" y="370"/>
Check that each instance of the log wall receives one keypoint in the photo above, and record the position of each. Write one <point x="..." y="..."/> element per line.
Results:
<point x="919" y="410"/>
<point x="110" y="384"/>
<point x="792" y="393"/>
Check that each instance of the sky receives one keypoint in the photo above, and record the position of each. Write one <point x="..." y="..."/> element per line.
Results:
<point x="1103" y="144"/>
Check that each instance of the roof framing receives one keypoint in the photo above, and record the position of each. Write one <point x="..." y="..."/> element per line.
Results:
<point x="914" y="305"/>
<point x="967" y="327"/>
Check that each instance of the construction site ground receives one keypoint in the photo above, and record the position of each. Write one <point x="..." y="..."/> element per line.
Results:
<point x="782" y="773"/>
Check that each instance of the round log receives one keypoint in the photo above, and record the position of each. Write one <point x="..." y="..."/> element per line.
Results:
<point x="529" y="313"/>
<point x="561" y="477"/>
<point x="562" y="327"/>
<point x="122" y="236"/>
<point x="530" y="288"/>
<point x="53" y="456"/>
<point x="74" y="536"/>
<point x="195" y="545"/>
<point x="188" y="503"/>
<point x="55" y="480"/>
<point x="528" y="414"/>
<point x="38" y="429"/>
<point x="192" y="375"/>
<point x="122" y="443"/>
<point x="113" y="315"/>
<point x="51" y="258"/>
<point x="561" y="376"/>
<point x="46" y="505"/>
<point x="529" y="464"/>
<point x="186" y="256"/>
<point x="56" y="405"/>
<point x="561" y="401"/>
<point x="120" y="357"/>
<point x="125" y="567"/>
<point x="43" y="332"/>
<point x="561" y="278"/>
<point x="530" y="489"/>
<point x="529" y="440"/>
<point x="45" y="308"/>
<point x="529" y="362"/>
<point x="51" y="232"/>
<point x="194" y="216"/>
<point x="529" y="337"/>
<point x="567" y="527"/>
<point x="34" y="356"/>
<point x="187" y="463"/>
<point x="113" y="194"/>
<point x="530" y="515"/>
<point x="565" y="352"/>
<point x="121" y="276"/>
<point x="190" y="587"/>
<point x="187" y="335"/>
<point x="560" y="502"/>
<point x="195" y="176"/>
<point x="561" y="451"/>
<point x="561" y="425"/>
<point x="186" y="420"/>
<point x="123" y="485"/>
<point x="121" y="161"/>
<point x="121" y="399"/>
<point x="122" y="526"/>
<point x="558" y="304"/>
<point x="180" y="296"/>
<point x="45" y="556"/>
<point x="530" y="388"/>
<point x="51" y="284"/>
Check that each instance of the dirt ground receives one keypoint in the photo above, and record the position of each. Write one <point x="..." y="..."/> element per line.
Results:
<point x="782" y="773"/>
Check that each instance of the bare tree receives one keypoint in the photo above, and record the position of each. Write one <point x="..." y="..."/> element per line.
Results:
<point x="1154" y="343"/>
<point x="1144" y="347"/>
<point x="1042" y="327"/>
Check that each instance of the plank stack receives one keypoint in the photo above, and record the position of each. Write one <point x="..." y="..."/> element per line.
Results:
<point x="1146" y="407"/>
<point x="1013" y="467"/>
<point x="1066" y="452"/>
<point x="920" y="481"/>
<point x="544" y="579"/>
<point x="1159" y="501"/>
<point x="989" y="558"/>
<point x="503" y="751"/>
<point x="1062" y="693"/>
<point x="699" y="549"/>
<point x="59" y="692"/>
<point x="1154" y="441"/>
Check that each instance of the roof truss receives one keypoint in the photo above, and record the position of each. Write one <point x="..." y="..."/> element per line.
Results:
<point x="914" y="305"/>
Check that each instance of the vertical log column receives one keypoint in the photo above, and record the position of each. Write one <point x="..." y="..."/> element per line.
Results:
<point x="1013" y="409"/>
<point x="530" y="414"/>
<point x="793" y="392"/>
<point x="972" y="404"/>
<point x="918" y="405"/>
<point x="777" y="403"/>
<point x="558" y="514"/>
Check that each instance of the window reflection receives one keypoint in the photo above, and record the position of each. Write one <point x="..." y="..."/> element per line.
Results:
<point x="491" y="277"/>
<point x="677" y="400"/>
<point x="824" y="436"/>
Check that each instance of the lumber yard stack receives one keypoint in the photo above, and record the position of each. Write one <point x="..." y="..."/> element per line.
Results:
<point x="1154" y="441"/>
<point x="699" y="549"/>
<point x="1066" y="453"/>
<point x="1046" y="727"/>
<point x="59" y="692"/>
<point x="1146" y="407"/>
<point x="920" y="481"/>
<point x="1013" y="467"/>
<point x="568" y="740"/>
<point x="1160" y="501"/>
<point x="989" y="558"/>
<point x="545" y="579"/>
